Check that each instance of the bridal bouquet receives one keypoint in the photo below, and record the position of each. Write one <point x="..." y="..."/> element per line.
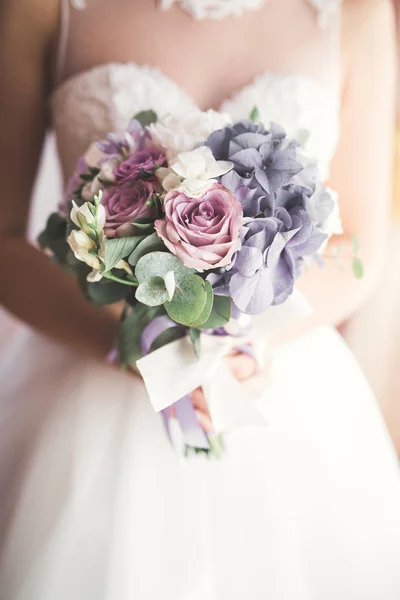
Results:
<point x="198" y="225"/>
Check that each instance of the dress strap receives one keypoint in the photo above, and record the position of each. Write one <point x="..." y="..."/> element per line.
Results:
<point x="65" y="8"/>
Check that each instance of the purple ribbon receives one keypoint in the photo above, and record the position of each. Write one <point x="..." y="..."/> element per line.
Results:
<point x="193" y="433"/>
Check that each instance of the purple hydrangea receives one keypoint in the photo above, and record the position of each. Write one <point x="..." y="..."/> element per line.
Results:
<point x="266" y="156"/>
<point x="285" y="207"/>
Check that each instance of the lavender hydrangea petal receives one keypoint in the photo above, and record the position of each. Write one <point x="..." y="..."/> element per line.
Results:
<point x="248" y="261"/>
<point x="284" y="277"/>
<point x="252" y="295"/>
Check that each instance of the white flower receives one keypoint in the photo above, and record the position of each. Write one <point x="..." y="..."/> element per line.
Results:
<point x="199" y="170"/>
<point x="84" y="248"/>
<point x="195" y="188"/>
<point x="200" y="164"/>
<point x="168" y="179"/>
<point x="84" y="216"/>
<point x="181" y="134"/>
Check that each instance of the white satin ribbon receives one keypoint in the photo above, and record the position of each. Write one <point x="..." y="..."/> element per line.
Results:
<point x="173" y="371"/>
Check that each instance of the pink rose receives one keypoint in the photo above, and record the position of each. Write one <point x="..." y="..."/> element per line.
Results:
<point x="135" y="164"/>
<point x="125" y="203"/>
<point x="202" y="232"/>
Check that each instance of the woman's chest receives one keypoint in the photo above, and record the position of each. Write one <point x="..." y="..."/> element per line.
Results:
<point x="209" y="59"/>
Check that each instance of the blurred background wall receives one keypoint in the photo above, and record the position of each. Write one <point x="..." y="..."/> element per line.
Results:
<point x="373" y="333"/>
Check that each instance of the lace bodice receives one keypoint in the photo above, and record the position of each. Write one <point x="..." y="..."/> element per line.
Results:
<point x="104" y="98"/>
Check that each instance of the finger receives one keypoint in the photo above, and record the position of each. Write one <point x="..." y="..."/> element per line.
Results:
<point x="199" y="400"/>
<point x="241" y="366"/>
<point x="205" y="421"/>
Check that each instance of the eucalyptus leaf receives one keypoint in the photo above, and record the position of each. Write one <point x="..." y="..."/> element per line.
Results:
<point x="158" y="264"/>
<point x="152" y="292"/>
<point x="150" y="243"/>
<point x="118" y="248"/>
<point x="146" y="117"/>
<point x="220" y="313"/>
<point x="131" y="329"/>
<point x="205" y="314"/>
<point x="189" y="299"/>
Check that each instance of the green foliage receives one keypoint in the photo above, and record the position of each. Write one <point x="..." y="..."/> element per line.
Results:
<point x="194" y="335"/>
<point x="144" y="224"/>
<point x="254" y="114"/>
<point x="189" y="300"/>
<point x="149" y="243"/>
<point x="117" y="249"/>
<point x="205" y="314"/>
<point x="106" y="292"/>
<point x="146" y="117"/>
<point x="152" y="292"/>
<point x="220" y="313"/>
<point x="129" y="347"/>
<point x="159" y="264"/>
<point x="167" y="337"/>
<point x="358" y="268"/>
<point x="53" y="238"/>
<point x="356" y="245"/>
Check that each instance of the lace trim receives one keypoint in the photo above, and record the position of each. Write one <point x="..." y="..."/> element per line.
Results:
<point x="219" y="9"/>
<point x="86" y="106"/>
<point x="214" y="9"/>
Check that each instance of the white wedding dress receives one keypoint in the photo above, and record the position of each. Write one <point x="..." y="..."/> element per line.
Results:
<point x="95" y="504"/>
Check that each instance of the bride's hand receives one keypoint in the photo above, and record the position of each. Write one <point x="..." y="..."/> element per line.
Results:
<point x="245" y="369"/>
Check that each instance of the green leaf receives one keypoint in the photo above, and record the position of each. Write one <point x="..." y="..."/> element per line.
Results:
<point x="106" y="292"/>
<point x="152" y="292"/>
<point x="194" y="335"/>
<point x="254" y="114"/>
<point x="166" y="337"/>
<point x="358" y="268"/>
<point x="53" y="238"/>
<point x="86" y="176"/>
<point x="158" y="264"/>
<point x="220" y="314"/>
<point x="189" y="300"/>
<point x="130" y="333"/>
<point x="150" y="243"/>
<point x="146" y="117"/>
<point x="118" y="248"/>
<point x="356" y="244"/>
<point x="144" y="225"/>
<point x="205" y="314"/>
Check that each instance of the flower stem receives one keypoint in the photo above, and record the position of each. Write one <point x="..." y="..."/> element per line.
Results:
<point x="118" y="280"/>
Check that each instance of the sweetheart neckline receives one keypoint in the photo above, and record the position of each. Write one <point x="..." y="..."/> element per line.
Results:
<point x="81" y="75"/>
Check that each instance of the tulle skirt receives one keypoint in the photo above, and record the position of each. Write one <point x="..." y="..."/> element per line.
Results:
<point x="96" y="505"/>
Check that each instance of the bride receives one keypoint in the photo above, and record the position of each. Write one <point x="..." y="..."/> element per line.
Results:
<point x="95" y="505"/>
